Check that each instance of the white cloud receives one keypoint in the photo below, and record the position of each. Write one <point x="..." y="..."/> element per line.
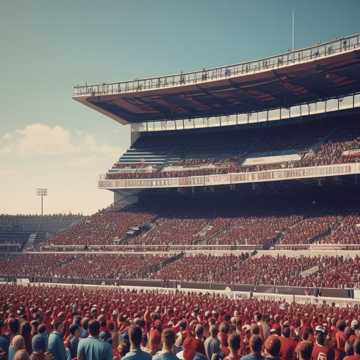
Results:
<point x="42" y="139"/>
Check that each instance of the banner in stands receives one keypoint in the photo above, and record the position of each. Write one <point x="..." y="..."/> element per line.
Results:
<point x="234" y="178"/>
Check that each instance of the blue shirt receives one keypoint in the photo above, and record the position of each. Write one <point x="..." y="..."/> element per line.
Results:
<point x="56" y="346"/>
<point x="252" y="357"/>
<point x="11" y="352"/>
<point x="93" y="348"/>
<point x="165" y="356"/>
<point x="137" y="355"/>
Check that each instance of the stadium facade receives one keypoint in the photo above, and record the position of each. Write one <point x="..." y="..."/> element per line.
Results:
<point x="221" y="126"/>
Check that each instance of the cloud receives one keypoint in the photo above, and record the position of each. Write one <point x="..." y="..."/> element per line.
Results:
<point x="43" y="140"/>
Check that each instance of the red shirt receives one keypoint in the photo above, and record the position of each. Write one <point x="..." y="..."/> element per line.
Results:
<point x="352" y="357"/>
<point x="340" y="345"/>
<point x="320" y="352"/>
<point x="191" y="346"/>
<point x="287" y="350"/>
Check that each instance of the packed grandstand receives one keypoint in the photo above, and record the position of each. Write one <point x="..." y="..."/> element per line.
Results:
<point x="238" y="195"/>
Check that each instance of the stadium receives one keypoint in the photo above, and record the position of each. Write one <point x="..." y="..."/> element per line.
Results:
<point x="235" y="216"/>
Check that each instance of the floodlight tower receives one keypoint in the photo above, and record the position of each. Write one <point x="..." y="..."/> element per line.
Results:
<point x="42" y="192"/>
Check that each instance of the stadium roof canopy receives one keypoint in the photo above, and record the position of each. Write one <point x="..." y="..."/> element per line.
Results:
<point x="318" y="72"/>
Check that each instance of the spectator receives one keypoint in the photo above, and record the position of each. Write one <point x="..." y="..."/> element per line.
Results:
<point x="212" y="343"/>
<point x="17" y="343"/>
<point x="255" y="347"/>
<point x="320" y="351"/>
<point x="288" y="345"/>
<point x="168" y="338"/>
<point x="356" y="355"/>
<point x="73" y="340"/>
<point x="92" y="348"/>
<point x="304" y="350"/>
<point x="272" y="348"/>
<point x="234" y="345"/>
<point x="4" y="343"/>
<point x="135" y="353"/>
<point x="56" y="343"/>
<point x="39" y="347"/>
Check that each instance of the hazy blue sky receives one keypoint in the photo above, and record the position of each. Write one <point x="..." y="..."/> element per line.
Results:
<point x="47" y="139"/>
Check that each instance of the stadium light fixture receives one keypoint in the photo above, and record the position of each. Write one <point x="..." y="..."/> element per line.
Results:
<point x="42" y="192"/>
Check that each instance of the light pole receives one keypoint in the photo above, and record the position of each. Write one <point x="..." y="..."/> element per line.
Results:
<point x="42" y="192"/>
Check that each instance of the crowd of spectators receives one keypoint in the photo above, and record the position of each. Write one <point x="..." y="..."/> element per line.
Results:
<point x="316" y="144"/>
<point x="302" y="271"/>
<point x="329" y="271"/>
<point x="83" y="266"/>
<point x="105" y="227"/>
<point x="310" y="229"/>
<point x="103" y="324"/>
<point x="253" y="230"/>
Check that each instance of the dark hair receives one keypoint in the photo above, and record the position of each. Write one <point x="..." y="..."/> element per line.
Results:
<point x="85" y="323"/>
<point x="256" y="343"/>
<point x="14" y="325"/>
<point x="272" y="345"/>
<point x="168" y="337"/>
<point x="341" y="325"/>
<point x="234" y="342"/>
<point x="199" y="330"/>
<point x="307" y="332"/>
<point x="321" y="338"/>
<point x="286" y="331"/>
<point x="73" y="328"/>
<point x="57" y="323"/>
<point x="94" y="327"/>
<point x="135" y="335"/>
<point x="214" y="330"/>
<point x="41" y="328"/>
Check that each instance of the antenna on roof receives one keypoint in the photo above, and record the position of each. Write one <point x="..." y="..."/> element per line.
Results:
<point x="293" y="30"/>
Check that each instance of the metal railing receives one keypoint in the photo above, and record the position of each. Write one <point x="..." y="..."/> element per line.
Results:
<point x="322" y="50"/>
<point x="344" y="102"/>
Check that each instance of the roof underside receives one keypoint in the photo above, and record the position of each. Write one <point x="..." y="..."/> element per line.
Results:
<point x="319" y="79"/>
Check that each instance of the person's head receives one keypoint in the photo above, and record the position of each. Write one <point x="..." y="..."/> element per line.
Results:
<point x="286" y="331"/>
<point x="14" y="326"/>
<point x="182" y="325"/>
<point x="18" y="342"/>
<point x="25" y="329"/>
<point x="135" y="336"/>
<point x="21" y="355"/>
<point x="214" y="331"/>
<point x="272" y="345"/>
<point x="199" y="331"/>
<point x="355" y="324"/>
<point x="38" y="344"/>
<point x="357" y="346"/>
<point x="58" y="326"/>
<point x="85" y="323"/>
<point x="94" y="328"/>
<point x="256" y="344"/>
<point x="304" y="350"/>
<point x="308" y="334"/>
<point x="320" y="338"/>
<point x="74" y="330"/>
<point x="255" y="329"/>
<point x="168" y="338"/>
<point x="234" y="343"/>
<point x="42" y="328"/>
<point x="341" y="325"/>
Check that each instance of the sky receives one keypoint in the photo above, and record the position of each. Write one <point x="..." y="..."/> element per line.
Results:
<point x="47" y="47"/>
